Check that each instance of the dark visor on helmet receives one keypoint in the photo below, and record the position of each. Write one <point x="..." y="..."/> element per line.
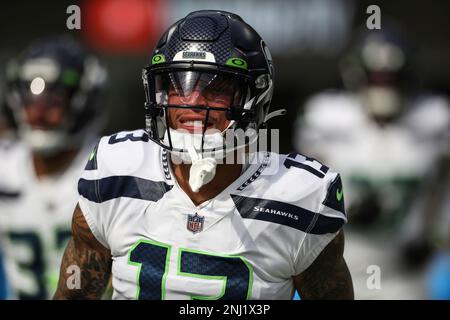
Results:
<point x="193" y="89"/>
<point x="45" y="93"/>
<point x="198" y="89"/>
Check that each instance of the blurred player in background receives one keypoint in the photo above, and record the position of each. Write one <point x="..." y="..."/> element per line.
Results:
<point x="387" y="140"/>
<point x="51" y="90"/>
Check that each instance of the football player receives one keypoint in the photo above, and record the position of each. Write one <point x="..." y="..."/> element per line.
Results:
<point x="161" y="210"/>
<point x="52" y="88"/>
<point x="387" y="139"/>
<point x="382" y="134"/>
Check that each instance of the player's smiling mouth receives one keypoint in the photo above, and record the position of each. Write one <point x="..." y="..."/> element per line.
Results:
<point x="194" y="123"/>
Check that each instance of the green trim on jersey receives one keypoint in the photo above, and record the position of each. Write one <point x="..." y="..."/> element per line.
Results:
<point x="224" y="278"/>
<point x="139" y="265"/>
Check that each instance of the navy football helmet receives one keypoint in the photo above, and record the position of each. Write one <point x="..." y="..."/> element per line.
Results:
<point x="221" y="57"/>
<point x="52" y="90"/>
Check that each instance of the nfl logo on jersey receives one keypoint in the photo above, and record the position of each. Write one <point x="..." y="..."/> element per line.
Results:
<point x="195" y="223"/>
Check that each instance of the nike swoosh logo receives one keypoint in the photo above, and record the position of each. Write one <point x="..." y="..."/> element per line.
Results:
<point x="339" y="194"/>
<point x="91" y="156"/>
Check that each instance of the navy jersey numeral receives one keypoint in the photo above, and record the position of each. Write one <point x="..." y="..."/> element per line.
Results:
<point x="36" y="265"/>
<point x="152" y="259"/>
<point x="234" y="271"/>
<point x="129" y="137"/>
<point x="291" y="162"/>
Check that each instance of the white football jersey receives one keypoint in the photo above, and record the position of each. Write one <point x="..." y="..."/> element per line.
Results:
<point x="336" y="129"/>
<point x="35" y="220"/>
<point x="392" y="160"/>
<point x="245" y="243"/>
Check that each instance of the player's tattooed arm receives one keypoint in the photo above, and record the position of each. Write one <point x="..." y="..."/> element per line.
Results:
<point x="328" y="276"/>
<point x="93" y="259"/>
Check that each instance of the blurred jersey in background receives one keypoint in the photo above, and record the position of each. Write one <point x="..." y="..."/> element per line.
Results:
<point x="52" y="90"/>
<point x="388" y="139"/>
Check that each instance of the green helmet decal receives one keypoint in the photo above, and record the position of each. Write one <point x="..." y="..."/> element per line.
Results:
<point x="237" y="62"/>
<point x="158" y="58"/>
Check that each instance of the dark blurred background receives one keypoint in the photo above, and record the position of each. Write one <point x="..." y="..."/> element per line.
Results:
<point x="306" y="37"/>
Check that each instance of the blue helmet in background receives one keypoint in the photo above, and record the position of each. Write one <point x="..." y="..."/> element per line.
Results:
<point x="52" y="89"/>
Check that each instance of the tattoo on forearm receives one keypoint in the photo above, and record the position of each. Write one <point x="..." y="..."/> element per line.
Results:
<point x="328" y="277"/>
<point x="94" y="261"/>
